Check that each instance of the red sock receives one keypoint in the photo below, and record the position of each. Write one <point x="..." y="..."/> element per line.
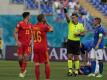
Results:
<point x="37" y="72"/>
<point x="47" y="71"/>
<point x="20" y="63"/>
<point x="23" y="66"/>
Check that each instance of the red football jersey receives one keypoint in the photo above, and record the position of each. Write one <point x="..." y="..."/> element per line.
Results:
<point x="39" y="35"/>
<point x="24" y="32"/>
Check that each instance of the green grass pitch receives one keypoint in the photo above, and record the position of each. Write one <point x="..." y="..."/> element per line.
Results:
<point x="9" y="70"/>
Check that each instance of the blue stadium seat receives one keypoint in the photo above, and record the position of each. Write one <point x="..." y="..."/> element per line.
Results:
<point x="18" y="1"/>
<point x="31" y="4"/>
<point x="99" y="7"/>
<point x="102" y="9"/>
<point x="46" y="9"/>
<point x="97" y="4"/>
<point x="93" y="2"/>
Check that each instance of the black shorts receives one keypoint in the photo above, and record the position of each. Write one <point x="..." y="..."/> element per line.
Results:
<point x="73" y="47"/>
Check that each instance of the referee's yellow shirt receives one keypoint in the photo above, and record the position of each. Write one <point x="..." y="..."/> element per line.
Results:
<point x="74" y="29"/>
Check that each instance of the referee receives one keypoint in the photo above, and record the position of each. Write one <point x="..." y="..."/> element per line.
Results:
<point x="75" y="31"/>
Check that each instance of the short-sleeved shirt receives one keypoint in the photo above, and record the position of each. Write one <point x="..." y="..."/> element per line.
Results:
<point x="24" y="32"/>
<point x="74" y="29"/>
<point x="99" y="30"/>
<point x="39" y="34"/>
<point x="72" y="5"/>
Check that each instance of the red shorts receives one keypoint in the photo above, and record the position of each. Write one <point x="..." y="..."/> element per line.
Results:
<point x="41" y="56"/>
<point x="24" y="49"/>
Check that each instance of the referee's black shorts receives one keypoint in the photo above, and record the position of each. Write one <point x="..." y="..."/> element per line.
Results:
<point x="73" y="47"/>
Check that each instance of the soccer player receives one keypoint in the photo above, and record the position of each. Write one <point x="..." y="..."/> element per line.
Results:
<point x="40" y="46"/>
<point x="75" y="31"/>
<point x="97" y="50"/>
<point x="22" y="35"/>
<point x="85" y="48"/>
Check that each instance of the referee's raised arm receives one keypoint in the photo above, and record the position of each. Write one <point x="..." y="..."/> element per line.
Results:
<point x="66" y="15"/>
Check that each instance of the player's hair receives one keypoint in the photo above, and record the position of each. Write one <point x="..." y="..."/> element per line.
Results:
<point x="98" y="19"/>
<point x="75" y="14"/>
<point x="40" y="17"/>
<point x="25" y="14"/>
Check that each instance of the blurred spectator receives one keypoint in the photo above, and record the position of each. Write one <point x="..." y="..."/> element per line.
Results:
<point x="71" y="7"/>
<point x="76" y="10"/>
<point x="83" y="11"/>
<point x="65" y="3"/>
<point x="46" y="2"/>
<point x="57" y="6"/>
<point x="57" y="9"/>
<point x="78" y="4"/>
<point x="81" y="18"/>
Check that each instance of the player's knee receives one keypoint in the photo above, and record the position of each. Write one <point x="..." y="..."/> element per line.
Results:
<point x="20" y="57"/>
<point x="76" y="57"/>
<point x="26" y="57"/>
<point x="37" y="64"/>
<point x="47" y="63"/>
<point x="69" y="57"/>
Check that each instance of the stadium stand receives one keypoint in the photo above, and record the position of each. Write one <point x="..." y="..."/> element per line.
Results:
<point x="46" y="8"/>
<point x="99" y="6"/>
<point x="31" y="4"/>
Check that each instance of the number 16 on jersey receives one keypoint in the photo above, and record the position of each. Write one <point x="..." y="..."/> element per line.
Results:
<point x="37" y="36"/>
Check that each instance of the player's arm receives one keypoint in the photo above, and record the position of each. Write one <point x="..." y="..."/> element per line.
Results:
<point x="66" y="15"/>
<point x="48" y="27"/>
<point x="82" y="32"/>
<point x="99" y="40"/>
<point x="51" y="29"/>
<point x="16" y="36"/>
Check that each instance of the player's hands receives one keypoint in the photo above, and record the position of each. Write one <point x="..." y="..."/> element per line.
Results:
<point x="18" y="43"/>
<point x="51" y="29"/>
<point x="79" y="35"/>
